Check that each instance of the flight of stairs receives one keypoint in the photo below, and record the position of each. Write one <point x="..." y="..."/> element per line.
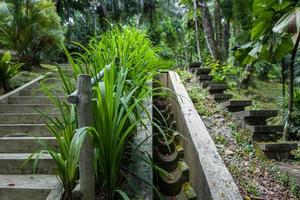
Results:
<point x="21" y="126"/>
<point x="265" y="136"/>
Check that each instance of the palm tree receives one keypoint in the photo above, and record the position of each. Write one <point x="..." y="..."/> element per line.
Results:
<point x="275" y="34"/>
<point x="31" y="28"/>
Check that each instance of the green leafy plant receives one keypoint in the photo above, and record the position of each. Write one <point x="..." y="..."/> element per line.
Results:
<point x="221" y="72"/>
<point x="117" y="106"/>
<point x="8" y="69"/>
<point x="31" y="28"/>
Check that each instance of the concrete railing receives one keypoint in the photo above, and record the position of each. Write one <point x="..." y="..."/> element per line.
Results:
<point x="208" y="174"/>
<point x="4" y="99"/>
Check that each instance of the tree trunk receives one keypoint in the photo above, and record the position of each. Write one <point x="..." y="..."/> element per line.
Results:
<point x="197" y="31"/>
<point x="208" y="30"/>
<point x="283" y="77"/>
<point x="218" y="27"/>
<point x="226" y="39"/>
<point x="291" y="90"/>
<point x="244" y="83"/>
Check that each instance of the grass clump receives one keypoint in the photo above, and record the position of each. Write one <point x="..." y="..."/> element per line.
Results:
<point x="118" y="101"/>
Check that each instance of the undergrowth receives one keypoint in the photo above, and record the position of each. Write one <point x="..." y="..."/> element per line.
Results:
<point x="245" y="151"/>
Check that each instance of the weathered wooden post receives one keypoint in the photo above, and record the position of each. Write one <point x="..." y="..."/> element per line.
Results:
<point x="83" y="99"/>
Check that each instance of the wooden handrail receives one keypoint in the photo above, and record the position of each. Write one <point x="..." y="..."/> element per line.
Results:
<point x="82" y="97"/>
<point x="73" y="98"/>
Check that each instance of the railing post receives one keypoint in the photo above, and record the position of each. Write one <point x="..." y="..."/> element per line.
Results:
<point x="85" y="118"/>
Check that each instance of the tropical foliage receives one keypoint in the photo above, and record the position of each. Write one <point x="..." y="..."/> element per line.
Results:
<point x="8" y="69"/>
<point x="31" y="28"/>
<point x="118" y="101"/>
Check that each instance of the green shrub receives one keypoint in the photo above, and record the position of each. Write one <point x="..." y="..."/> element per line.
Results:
<point x="222" y="73"/>
<point x="31" y="28"/>
<point x="8" y="69"/>
<point x="118" y="101"/>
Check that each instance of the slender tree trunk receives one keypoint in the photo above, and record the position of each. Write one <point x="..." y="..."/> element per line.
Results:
<point x="226" y="39"/>
<point x="283" y="77"/>
<point x="247" y="76"/>
<point x="218" y="27"/>
<point x="197" y="31"/>
<point x="208" y="30"/>
<point x="291" y="90"/>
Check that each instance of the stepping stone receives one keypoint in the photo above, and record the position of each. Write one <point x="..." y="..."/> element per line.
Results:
<point x="27" y="108"/>
<point x="255" y="117"/>
<point x="203" y="71"/>
<point x="277" y="150"/>
<point x="29" y="187"/>
<point x="265" y="133"/>
<point x="195" y="65"/>
<point x="236" y="105"/>
<point x="222" y="97"/>
<point x="24" y="144"/>
<point x="217" y="88"/>
<point x="205" y="84"/>
<point x="33" y="100"/>
<point x="13" y="163"/>
<point x="25" y="118"/>
<point x="29" y="129"/>
<point x="203" y="78"/>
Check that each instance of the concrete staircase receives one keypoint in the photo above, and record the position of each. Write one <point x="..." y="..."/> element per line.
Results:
<point x="22" y="129"/>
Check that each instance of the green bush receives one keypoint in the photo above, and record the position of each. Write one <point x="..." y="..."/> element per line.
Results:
<point x="8" y="69"/>
<point x="221" y="72"/>
<point x="31" y="28"/>
<point x="118" y="101"/>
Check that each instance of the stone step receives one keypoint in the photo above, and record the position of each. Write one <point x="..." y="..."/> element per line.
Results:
<point x="205" y="84"/>
<point x="24" y="144"/>
<point x="13" y="163"/>
<point x="203" y="78"/>
<point x="195" y="65"/>
<point x="27" y="108"/>
<point x="33" y="100"/>
<point x="255" y="117"/>
<point x="266" y="129"/>
<point x="265" y="133"/>
<point x="51" y="80"/>
<point x="40" y="92"/>
<point x="203" y="71"/>
<point x="217" y="88"/>
<point x="27" y="187"/>
<point x="24" y="129"/>
<point x="236" y="105"/>
<point x="222" y="97"/>
<point x="25" y="118"/>
<point x="277" y="150"/>
<point x="40" y="84"/>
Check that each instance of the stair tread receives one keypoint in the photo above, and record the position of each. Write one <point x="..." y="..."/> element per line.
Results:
<point x="30" y="181"/>
<point x="22" y="156"/>
<point x="265" y="128"/>
<point x="238" y="103"/>
<point x="26" y="138"/>
<point x="258" y="113"/>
